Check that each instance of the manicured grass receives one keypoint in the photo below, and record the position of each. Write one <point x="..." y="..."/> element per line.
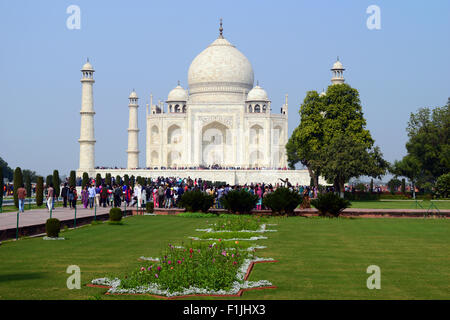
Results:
<point x="386" y="204"/>
<point x="319" y="258"/>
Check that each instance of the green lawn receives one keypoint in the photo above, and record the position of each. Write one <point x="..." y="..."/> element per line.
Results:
<point x="319" y="258"/>
<point x="386" y="204"/>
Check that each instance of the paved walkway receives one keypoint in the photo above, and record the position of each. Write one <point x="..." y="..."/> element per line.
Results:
<point x="39" y="216"/>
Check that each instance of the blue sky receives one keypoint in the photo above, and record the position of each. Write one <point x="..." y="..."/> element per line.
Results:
<point x="149" y="45"/>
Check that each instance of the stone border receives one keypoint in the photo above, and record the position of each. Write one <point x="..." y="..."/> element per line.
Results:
<point x="238" y="294"/>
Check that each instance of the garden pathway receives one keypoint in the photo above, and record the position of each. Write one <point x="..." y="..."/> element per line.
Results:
<point x="33" y="217"/>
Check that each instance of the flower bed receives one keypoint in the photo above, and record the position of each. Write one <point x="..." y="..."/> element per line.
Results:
<point x="202" y="268"/>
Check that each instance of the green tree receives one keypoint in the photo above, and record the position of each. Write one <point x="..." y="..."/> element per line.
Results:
<point x="18" y="181"/>
<point x="126" y="180"/>
<point x="403" y="186"/>
<point x="371" y="186"/>
<point x="56" y="183"/>
<point x="408" y="167"/>
<point x="72" y="179"/>
<point x="394" y="184"/>
<point x="48" y="180"/>
<point x="443" y="185"/>
<point x="118" y="180"/>
<point x="132" y="181"/>
<point x="8" y="173"/>
<point x="428" y="147"/>
<point x="39" y="191"/>
<point x="347" y="158"/>
<point x="27" y="180"/>
<point x="108" y="179"/>
<point x="332" y="140"/>
<point x="98" y="180"/>
<point x="31" y="174"/>
<point x="85" y="181"/>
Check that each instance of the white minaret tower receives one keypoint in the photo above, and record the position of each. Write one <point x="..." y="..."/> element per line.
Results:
<point x="338" y="72"/>
<point x="87" y="140"/>
<point x="133" y="148"/>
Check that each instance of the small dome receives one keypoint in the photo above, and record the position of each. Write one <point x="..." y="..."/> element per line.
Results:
<point x="87" y="67"/>
<point x="257" y="94"/>
<point x="322" y="94"/>
<point x="178" y="94"/>
<point x="133" y="95"/>
<point x="337" y="65"/>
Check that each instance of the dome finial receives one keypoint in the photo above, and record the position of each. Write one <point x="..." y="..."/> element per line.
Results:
<point x="178" y="82"/>
<point x="221" y="29"/>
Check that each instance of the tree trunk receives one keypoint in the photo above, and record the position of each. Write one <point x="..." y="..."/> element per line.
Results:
<point x="314" y="178"/>
<point x="341" y="189"/>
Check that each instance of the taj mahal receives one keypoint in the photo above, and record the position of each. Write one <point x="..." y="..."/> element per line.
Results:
<point x="221" y="128"/>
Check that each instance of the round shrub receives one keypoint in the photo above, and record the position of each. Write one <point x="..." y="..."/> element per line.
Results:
<point x="52" y="227"/>
<point x="443" y="185"/>
<point x="196" y="200"/>
<point x="149" y="206"/>
<point x="330" y="204"/>
<point x="115" y="214"/>
<point x="239" y="201"/>
<point x="282" y="200"/>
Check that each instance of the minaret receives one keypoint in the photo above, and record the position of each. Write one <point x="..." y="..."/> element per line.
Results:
<point x="338" y="72"/>
<point x="87" y="140"/>
<point x="133" y="148"/>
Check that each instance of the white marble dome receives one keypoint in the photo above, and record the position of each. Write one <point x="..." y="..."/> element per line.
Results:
<point x="220" y="72"/>
<point x="257" y="94"/>
<point x="177" y="94"/>
<point x="87" y="67"/>
<point x="133" y="95"/>
<point x="337" y="66"/>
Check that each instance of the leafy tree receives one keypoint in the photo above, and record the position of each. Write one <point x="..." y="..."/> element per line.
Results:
<point x="347" y="157"/>
<point x="371" y="186"/>
<point x="98" y="180"/>
<point x="394" y="184"/>
<point x="85" y="181"/>
<point x="132" y="181"/>
<point x="56" y="183"/>
<point x="108" y="179"/>
<point x="118" y="180"/>
<point x="428" y="147"/>
<point x="443" y="185"/>
<point x="72" y="179"/>
<point x="48" y="180"/>
<point x="29" y="173"/>
<point x="39" y="191"/>
<point x="332" y="141"/>
<point x="8" y="173"/>
<point x="28" y="185"/>
<point x="126" y="180"/>
<point x="18" y="181"/>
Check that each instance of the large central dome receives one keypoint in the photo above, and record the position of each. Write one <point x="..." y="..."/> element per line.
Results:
<point x="220" y="73"/>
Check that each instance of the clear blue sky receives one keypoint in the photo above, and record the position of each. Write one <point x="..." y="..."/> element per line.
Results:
<point x="149" y="45"/>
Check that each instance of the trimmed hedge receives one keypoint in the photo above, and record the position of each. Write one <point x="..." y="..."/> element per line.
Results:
<point x="330" y="204"/>
<point x="40" y="191"/>
<point x="282" y="200"/>
<point x="239" y="201"/>
<point x="115" y="214"/>
<point x="149" y="206"/>
<point x="52" y="227"/>
<point x="363" y="196"/>
<point x="196" y="200"/>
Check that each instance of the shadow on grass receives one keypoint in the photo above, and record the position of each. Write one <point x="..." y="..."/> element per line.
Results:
<point x="21" y="276"/>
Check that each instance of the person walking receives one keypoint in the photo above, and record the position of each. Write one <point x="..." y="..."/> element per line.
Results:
<point x="85" y="197"/>
<point x="74" y="198"/>
<point x="50" y="194"/>
<point x="64" y="192"/>
<point x="70" y="196"/>
<point x="91" y="191"/>
<point x="97" y="196"/>
<point x="21" y="194"/>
